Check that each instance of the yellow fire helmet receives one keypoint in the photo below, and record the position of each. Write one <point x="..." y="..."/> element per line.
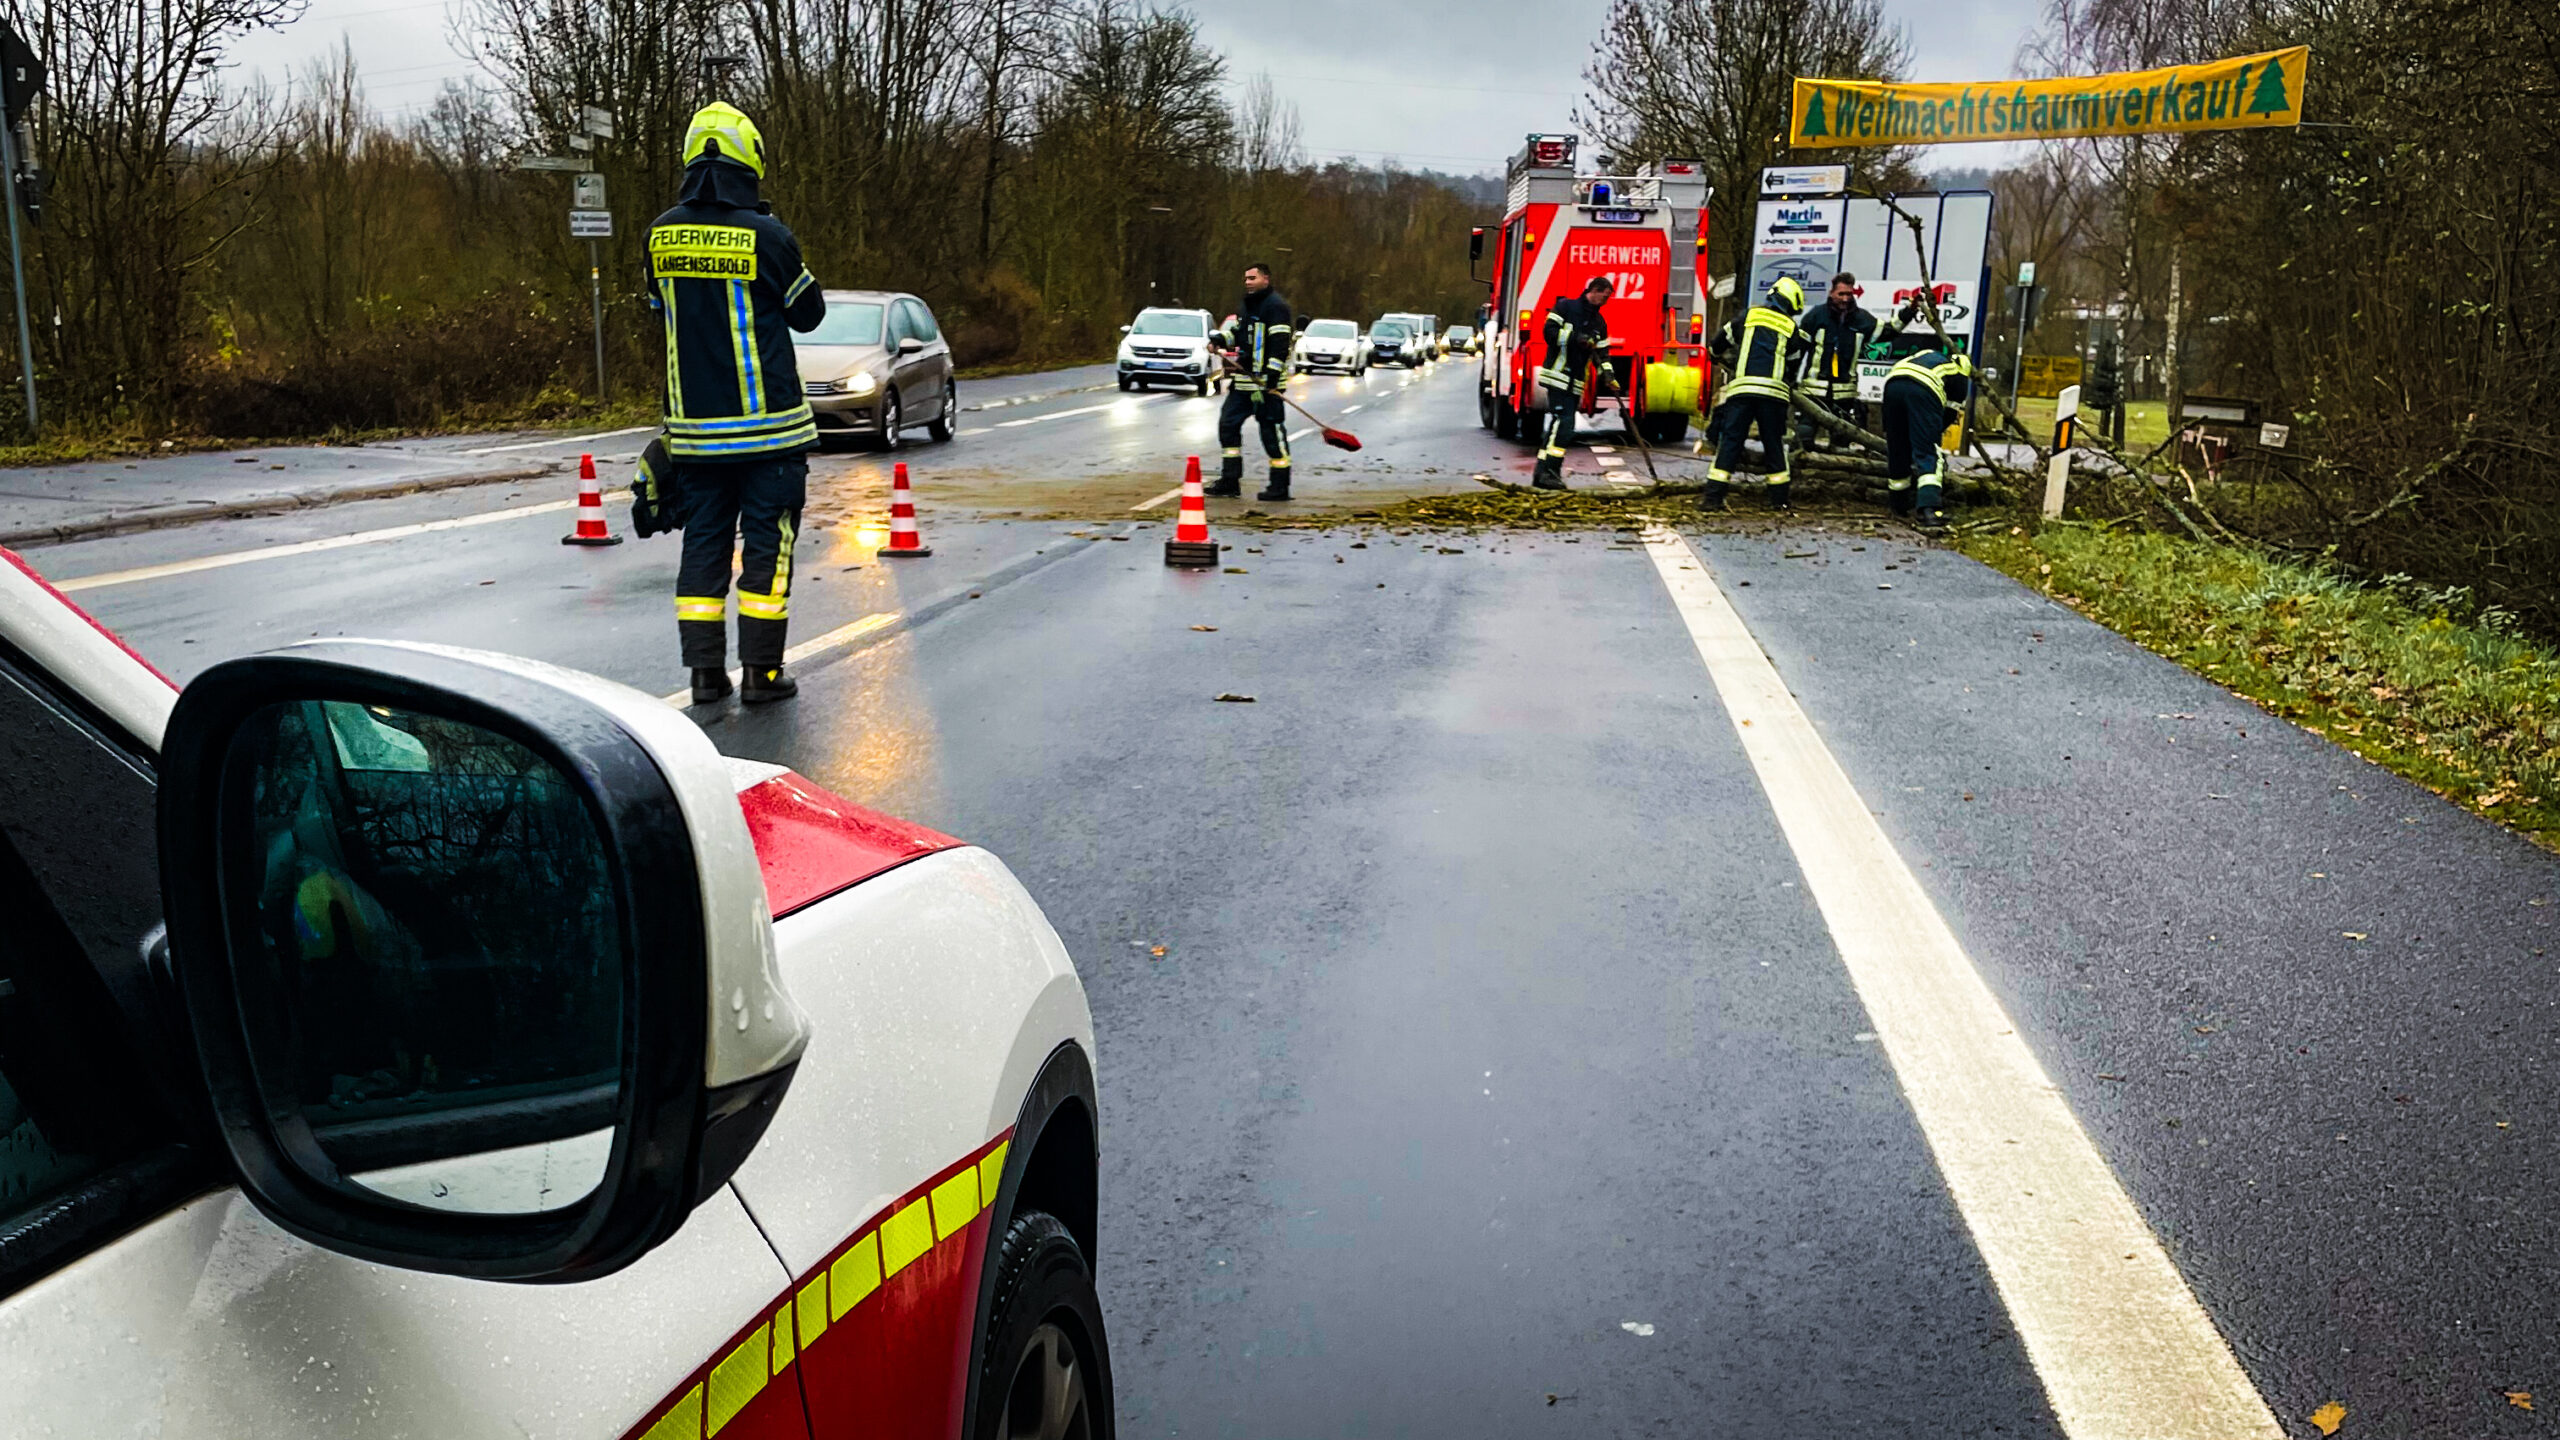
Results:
<point x="722" y="129"/>
<point x="1786" y="295"/>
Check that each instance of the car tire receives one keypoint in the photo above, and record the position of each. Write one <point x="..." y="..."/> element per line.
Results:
<point x="1045" y="1366"/>
<point x="1506" y="421"/>
<point x="946" y="424"/>
<point x="1125" y="385"/>
<point x="893" y="419"/>
<point x="1200" y="386"/>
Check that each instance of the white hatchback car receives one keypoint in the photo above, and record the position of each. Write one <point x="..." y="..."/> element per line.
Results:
<point x="1330" y="345"/>
<point x="399" y="1040"/>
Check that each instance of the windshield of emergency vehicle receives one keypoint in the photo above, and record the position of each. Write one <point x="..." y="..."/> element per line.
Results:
<point x="1166" y="322"/>
<point x="848" y="322"/>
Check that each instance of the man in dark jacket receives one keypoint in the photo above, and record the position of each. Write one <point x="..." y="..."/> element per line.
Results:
<point x="1258" y="335"/>
<point x="1840" y="331"/>
<point x="727" y="279"/>
<point x="1577" y="335"/>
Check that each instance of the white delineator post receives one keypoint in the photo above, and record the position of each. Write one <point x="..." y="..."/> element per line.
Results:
<point x="2057" y="475"/>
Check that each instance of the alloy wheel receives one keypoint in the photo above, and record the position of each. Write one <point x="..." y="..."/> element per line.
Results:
<point x="1046" y="1400"/>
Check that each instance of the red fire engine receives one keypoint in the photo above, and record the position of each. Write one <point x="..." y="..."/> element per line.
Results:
<point x="1648" y="233"/>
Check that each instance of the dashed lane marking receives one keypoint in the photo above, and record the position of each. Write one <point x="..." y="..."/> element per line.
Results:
<point x="1055" y="415"/>
<point x="2123" y="1348"/>
<point x="835" y="639"/>
<point x="560" y="440"/>
<point x="1173" y="494"/>
<point x="314" y="547"/>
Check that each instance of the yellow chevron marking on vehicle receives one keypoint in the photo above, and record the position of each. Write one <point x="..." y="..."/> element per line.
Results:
<point x="737" y="1379"/>
<point x="991" y="1173"/>
<point x="813" y="1309"/>
<point x="904" y="1237"/>
<point x="955" y="1203"/>
<point x="683" y="1422"/>
<point x="855" y="1274"/>
<point x="785" y="1344"/>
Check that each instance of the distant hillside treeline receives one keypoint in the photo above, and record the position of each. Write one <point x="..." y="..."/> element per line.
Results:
<point x="252" y="261"/>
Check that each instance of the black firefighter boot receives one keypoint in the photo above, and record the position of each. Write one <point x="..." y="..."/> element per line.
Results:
<point x="1931" y="517"/>
<point x="766" y="684"/>
<point x="1898" y="499"/>
<point x="1230" y="481"/>
<point x="1549" y="474"/>
<point x="1778" y="491"/>
<point x="1278" y="489"/>
<point x="710" y="685"/>
<point x="1712" y="498"/>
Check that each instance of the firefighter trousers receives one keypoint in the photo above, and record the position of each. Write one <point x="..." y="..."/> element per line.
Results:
<point x="1913" y="420"/>
<point x="1243" y="403"/>
<point x="1557" y="437"/>
<point x="1742" y="414"/>
<point x="753" y="505"/>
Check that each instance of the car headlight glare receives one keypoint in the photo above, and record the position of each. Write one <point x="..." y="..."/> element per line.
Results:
<point x="861" y="382"/>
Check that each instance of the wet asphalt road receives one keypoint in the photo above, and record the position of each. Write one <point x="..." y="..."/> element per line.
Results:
<point x="1498" y="1075"/>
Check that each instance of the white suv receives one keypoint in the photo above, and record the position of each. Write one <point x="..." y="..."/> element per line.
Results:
<point x="1168" y="347"/>
<point x="361" y="989"/>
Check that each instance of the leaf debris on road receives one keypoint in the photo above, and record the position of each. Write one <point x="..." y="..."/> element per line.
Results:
<point x="1232" y="698"/>
<point x="2328" y="1418"/>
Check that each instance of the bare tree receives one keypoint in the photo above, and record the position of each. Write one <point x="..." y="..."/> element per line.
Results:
<point x="1712" y="80"/>
<point x="142" y="143"/>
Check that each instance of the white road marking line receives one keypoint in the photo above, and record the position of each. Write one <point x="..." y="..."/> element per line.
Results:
<point x="2123" y="1348"/>
<point x="1302" y="434"/>
<point x="1173" y="494"/>
<point x="562" y="440"/>
<point x="313" y="547"/>
<point x="1604" y="450"/>
<point x="1610" y="462"/>
<point x="1350" y="409"/>
<point x="835" y="639"/>
<point x="1054" y="415"/>
<point x="977" y="430"/>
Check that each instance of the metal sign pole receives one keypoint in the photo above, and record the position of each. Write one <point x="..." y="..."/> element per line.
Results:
<point x="17" y="263"/>
<point x="595" y="291"/>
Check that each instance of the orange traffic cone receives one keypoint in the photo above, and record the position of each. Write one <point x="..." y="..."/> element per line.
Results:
<point x="591" y="527"/>
<point x="905" y="543"/>
<point x="1191" y="546"/>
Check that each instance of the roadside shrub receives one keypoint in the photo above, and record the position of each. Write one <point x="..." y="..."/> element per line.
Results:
<point x="411" y="366"/>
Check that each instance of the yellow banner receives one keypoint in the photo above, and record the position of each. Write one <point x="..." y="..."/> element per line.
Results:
<point x="2244" y="93"/>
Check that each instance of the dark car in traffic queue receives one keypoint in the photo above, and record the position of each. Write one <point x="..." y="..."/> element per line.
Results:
<point x="1391" y="342"/>
<point x="877" y="366"/>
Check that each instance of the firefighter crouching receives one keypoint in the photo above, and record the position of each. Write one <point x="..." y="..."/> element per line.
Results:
<point x="1922" y="397"/>
<point x="1840" y="332"/>
<point x="727" y="278"/>
<point x="1768" y="358"/>
<point x="1576" y="334"/>
<point x="1258" y="335"/>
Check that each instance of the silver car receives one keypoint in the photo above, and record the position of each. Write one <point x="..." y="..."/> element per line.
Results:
<point x="876" y="366"/>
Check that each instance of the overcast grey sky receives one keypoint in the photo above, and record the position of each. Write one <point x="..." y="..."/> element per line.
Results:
<point x="1437" y="84"/>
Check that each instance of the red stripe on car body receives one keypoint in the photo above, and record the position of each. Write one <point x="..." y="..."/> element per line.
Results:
<point x="23" y="568"/>
<point x="812" y="843"/>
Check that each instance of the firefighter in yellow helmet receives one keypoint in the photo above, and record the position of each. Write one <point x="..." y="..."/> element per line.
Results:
<point x="727" y="279"/>
<point x="1768" y="359"/>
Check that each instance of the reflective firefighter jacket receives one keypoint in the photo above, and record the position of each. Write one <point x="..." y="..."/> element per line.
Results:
<point x="1769" y="356"/>
<point x="1945" y="380"/>
<point x="1838" y="338"/>
<point x="727" y="279"/>
<point x="1260" y="333"/>
<point x="1576" y="334"/>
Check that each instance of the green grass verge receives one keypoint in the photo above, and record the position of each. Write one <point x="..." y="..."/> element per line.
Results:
<point x="2419" y="681"/>
<point x="72" y="443"/>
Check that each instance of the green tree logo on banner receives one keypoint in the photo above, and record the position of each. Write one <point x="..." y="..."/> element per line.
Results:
<point x="1814" y="123"/>
<point x="2269" y="97"/>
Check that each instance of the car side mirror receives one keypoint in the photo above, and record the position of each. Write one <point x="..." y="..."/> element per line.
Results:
<point x="1124" y="329"/>
<point x="909" y="345"/>
<point x="475" y="953"/>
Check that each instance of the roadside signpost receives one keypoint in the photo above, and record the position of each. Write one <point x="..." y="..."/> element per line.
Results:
<point x="590" y="218"/>
<point x="21" y="80"/>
